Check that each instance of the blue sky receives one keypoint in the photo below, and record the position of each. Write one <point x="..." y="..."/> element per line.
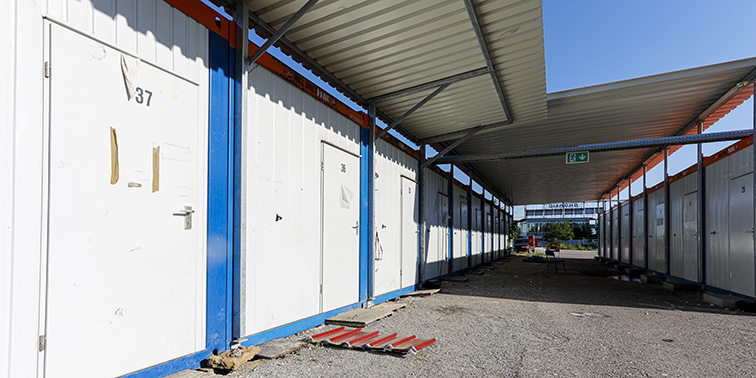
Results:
<point x="589" y="42"/>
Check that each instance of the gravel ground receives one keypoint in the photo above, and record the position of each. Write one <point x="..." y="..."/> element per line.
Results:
<point x="514" y="320"/>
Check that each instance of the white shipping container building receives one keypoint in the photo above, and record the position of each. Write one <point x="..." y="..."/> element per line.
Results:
<point x="727" y="265"/>
<point x="134" y="207"/>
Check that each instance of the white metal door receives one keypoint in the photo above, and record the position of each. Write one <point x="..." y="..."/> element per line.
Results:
<point x="341" y="228"/>
<point x="410" y="216"/>
<point x="461" y="227"/>
<point x="126" y="255"/>
<point x="690" y="235"/>
<point x="442" y="204"/>
<point x="741" y="235"/>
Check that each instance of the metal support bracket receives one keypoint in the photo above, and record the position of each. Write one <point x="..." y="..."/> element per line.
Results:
<point x="409" y="112"/>
<point x="487" y="56"/>
<point x="450" y="147"/>
<point x="280" y="32"/>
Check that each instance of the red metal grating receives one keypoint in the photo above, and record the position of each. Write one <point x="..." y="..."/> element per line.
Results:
<point x="357" y="338"/>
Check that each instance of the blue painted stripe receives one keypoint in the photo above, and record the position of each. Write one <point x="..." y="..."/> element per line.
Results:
<point x="394" y="294"/>
<point x="297" y="326"/>
<point x="469" y="228"/>
<point x="191" y="361"/>
<point x="717" y="290"/>
<point x="681" y="280"/>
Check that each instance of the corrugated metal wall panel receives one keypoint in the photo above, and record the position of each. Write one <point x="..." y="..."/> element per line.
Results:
<point x="658" y="261"/>
<point x="281" y="196"/>
<point x="391" y="164"/>
<point x="23" y="39"/>
<point x="7" y="68"/>
<point x="150" y="29"/>
<point x="625" y="234"/>
<point x="717" y="225"/>
<point x="487" y="230"/>
<point x="676" y="254"/>
<point x="651" y="230"/>
<point x="459" y="257"/>
<point x="639" y="233"/>
<point x="436" y="221"/>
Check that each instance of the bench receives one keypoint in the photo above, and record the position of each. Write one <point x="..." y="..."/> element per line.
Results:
<point x="551" y="259"/>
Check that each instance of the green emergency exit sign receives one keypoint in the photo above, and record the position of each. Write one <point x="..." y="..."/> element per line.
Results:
<point x="577" y="157"/>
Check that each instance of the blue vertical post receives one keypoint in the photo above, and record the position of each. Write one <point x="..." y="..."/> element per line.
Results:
<point x="220" y="196"/>
<point x="700" y="219"/>
<point x="450" y="269"/>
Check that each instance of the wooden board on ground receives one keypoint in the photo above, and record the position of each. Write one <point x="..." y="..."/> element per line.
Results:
<point x="361" y="317"/>
<point x="421" y="293"/>
<point x="278" y="347"/>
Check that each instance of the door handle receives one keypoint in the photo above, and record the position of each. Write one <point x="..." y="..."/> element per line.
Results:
<point x="187" y="214"/>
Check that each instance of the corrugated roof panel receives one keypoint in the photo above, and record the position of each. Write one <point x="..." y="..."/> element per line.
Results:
<point x="650" y="107"/>
<point x="378" y="47"/>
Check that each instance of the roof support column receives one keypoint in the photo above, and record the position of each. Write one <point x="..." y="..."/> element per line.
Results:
<point x="754" y="174"/>
<point x="630" y="222"/>
<point x="241" y="20"/>
<point x="279" y="33"/>
<point x="645" y="219"/>
<point x="371" y="202"/>
<point x="700" y="207"/>
<point x="619" y="222"/>
<point x="667" y="236"/>
<point x="421" y="216"/>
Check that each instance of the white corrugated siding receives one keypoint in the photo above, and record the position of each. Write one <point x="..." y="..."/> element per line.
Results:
<point x="625" y="234"/>
<point x="729" y="252"/>
<point x="639" y="233"/>
<point x="656" y="240"/>
<point x="149" y="29"/>
<point x="487" y="231"/>
<point x="7" y="139"/>
<point x="436" y="229"/>
<point x="460" y="238"/>
<point x="281" y="176"/>
<point x="391" y="164"/>
<point x="683" y="260"/>
<point x="476" y="230"/>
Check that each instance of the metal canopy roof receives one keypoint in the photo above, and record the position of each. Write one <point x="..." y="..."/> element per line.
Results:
<point x="649" y="107"/>
<point x="374" y="48"/>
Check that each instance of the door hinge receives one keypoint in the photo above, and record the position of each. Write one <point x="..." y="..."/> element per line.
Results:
<point x="321" y="288"/>
<point x="322" y="166"/>
<point x="48" y="69"/>
<point x="42" y="342"/>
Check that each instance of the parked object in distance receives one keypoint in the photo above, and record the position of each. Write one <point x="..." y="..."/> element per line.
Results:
<point x="521" y="245"/>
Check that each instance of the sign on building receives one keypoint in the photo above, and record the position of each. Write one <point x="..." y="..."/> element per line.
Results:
<point x="576" y="157"/>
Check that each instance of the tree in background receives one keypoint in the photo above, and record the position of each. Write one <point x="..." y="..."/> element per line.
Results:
<point x="558" y="231"/>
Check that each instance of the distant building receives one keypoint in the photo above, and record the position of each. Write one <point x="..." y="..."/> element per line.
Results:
<point x="578" y="213"/>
